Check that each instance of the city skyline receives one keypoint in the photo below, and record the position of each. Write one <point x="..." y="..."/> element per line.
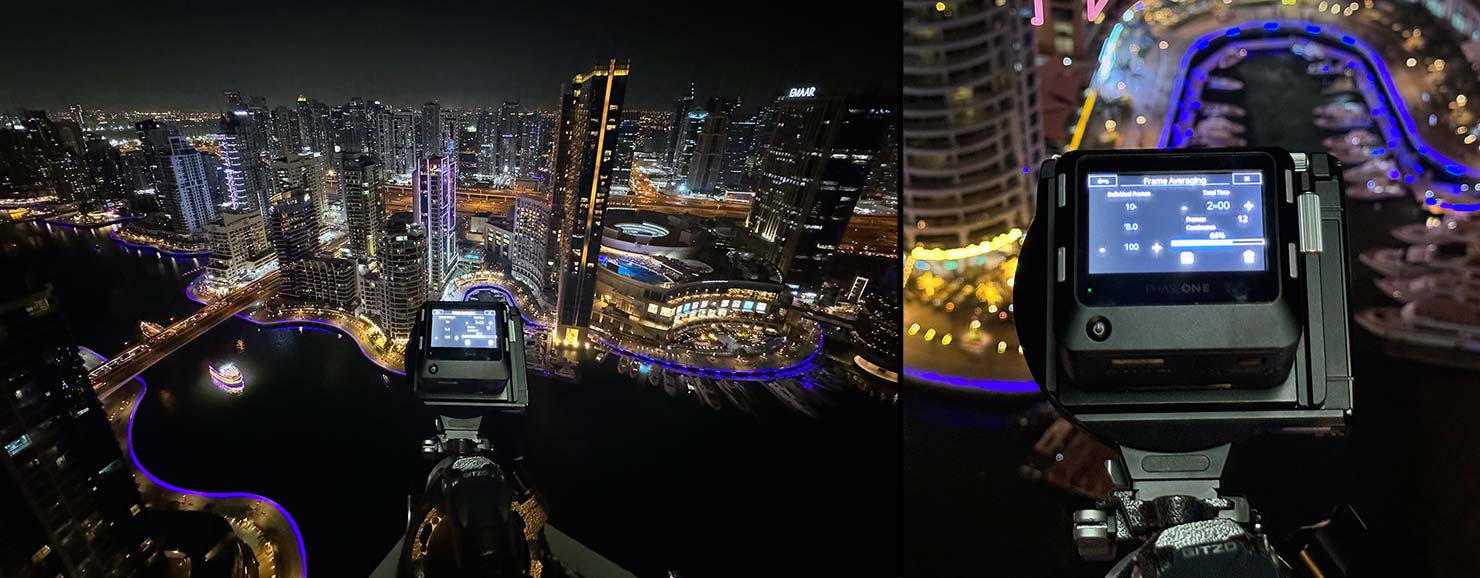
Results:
<point x="480" y="63"/>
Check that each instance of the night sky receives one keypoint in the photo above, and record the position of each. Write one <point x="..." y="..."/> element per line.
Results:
<point x="155" y="55"/>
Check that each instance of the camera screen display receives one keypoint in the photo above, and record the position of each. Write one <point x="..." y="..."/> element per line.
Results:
<point x="465" y="328"/>
<point x="1176" y="222"/>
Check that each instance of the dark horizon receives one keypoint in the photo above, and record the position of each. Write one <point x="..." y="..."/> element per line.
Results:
<point x="183" y="56"/>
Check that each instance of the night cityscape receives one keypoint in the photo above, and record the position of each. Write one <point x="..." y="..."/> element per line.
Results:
<point x="707" y="275"/>
<point x="677" y="290"/>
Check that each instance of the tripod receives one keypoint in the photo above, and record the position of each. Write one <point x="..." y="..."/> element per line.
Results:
<point x="477" y="517"/>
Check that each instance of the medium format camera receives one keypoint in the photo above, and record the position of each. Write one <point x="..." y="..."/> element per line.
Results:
<point x="468" y="354"/>
<point x="1178" y="300"/>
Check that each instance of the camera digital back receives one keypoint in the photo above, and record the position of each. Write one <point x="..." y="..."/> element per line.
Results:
<point x="1173" y="300"/>
<point x="468" y="354"/>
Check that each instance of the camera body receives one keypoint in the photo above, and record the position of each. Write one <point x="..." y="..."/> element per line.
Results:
<point x="468" y="354"/>
<point x="1179" y="300"/>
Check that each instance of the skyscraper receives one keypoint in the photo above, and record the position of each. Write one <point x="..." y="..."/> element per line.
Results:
<point x="507" y="160"/>
<point x="239" y="248"/>
<point x="431" y="131"/>
<point x="971" y="123"/>
<point x="74" y="112"/>
<point x="591" y="109"/>
<point x="740" y="154"/>
<point x="403" y="274"/>
<point x="293" y="229"/>
<point x="154" y="149"/>
<point x="105" y="165"/>
<point x="468" y="147"/>
<point x="242" y="161"/>
<point x="67" y="493"/>
<point x="364" y="209"/>
<point x="402" y="146"/>
<point x="681" y="109"/>
<point x="626" y="145"/>
<point x="706" y="163"/>
<point x="184" y="193"/>
<point x="812" y="170"/>
<point x="300" y="173"/>
<point x="435" y="209"/>
<point x="528" y="250"/>
<point x="328" y="282"/>
<point x="288" y="130"/>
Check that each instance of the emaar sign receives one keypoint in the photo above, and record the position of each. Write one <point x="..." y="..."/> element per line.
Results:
<point x="807" y="92"/>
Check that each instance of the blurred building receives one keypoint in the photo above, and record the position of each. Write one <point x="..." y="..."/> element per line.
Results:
<point x="813" y="168"/>
<point x="972" y="128"/>
<point x="67" y="494"/>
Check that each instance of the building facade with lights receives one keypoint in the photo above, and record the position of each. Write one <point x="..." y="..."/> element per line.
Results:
<point x="971" y="122"/>
<point x="591" y="110"/>
<point x="184" y="192"/>
<point x="246" y="182"/>
<point x="528" y="262"/>
<point x="435" y="208"/>
<point x="295" y="172"/>
<point x="329" y="282"/>
<point x="240" y="251"/>
<point x="364" y="207"/>
<point x="403" y="274"/>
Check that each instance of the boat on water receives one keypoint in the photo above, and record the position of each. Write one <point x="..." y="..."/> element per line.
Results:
<point x="1219" y="123"/>
<point x="1344" y="121"/>
<point x="1441" y="330"/>
<point x="1460" y="284"/>
<point x="149" y="329"/>
<point x="227" y="377"/>
<point x="735" y="391"/>
<point x="1342" y="85"/>
<point x="1225" y="83"/>
<point x="1420" y="259"/>
<point x="1374" y="191"/>
<point x="707" y="396"/>
<point x="1222" y="109"/>
<point x="1437" y="230"/>
<point x="788" y="397"/>
<point x="1323" y="68"/>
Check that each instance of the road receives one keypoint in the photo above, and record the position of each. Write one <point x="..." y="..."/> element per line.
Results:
<point x="131" y="362"/>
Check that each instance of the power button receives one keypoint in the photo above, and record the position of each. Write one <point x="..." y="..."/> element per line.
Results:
<point x="432" y="369"/>
<point x="1098" y="328"/>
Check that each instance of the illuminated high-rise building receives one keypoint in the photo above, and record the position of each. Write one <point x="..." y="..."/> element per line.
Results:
<point x="468" y="148"/>
<point x="239" y="248"/>
<point x="184" y="193"/>
<point x="627" y="131"/>
<point x="328" y="282"/>
<point x="364" y="208"/>
<point x="507" y="159"/>
<point x="591" y="109"/>
<point x="106" y="167"/>
<point x="400" y="156"/>
<point x="246" y="182"/>
<point x="402" y="275"/>
<point x="293" y="229"/>
<point x="296" y="172"/>
<point x="154" y="153"/>
<point x="740" y="155"/>
<point x="528" y="251"/>
<point x="813" y="168"/>
<point x="74" y="112"/>
<point x="67" y="494"/>
<point x="287" y="131"/>
<point x="435" y="207"/>
<point x="971" y="122"/>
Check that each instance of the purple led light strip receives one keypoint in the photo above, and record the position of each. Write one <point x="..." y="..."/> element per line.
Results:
<point x="133" y="413"/>
<point x="1323" y="33"/>
<point x="1000" y="386"/>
